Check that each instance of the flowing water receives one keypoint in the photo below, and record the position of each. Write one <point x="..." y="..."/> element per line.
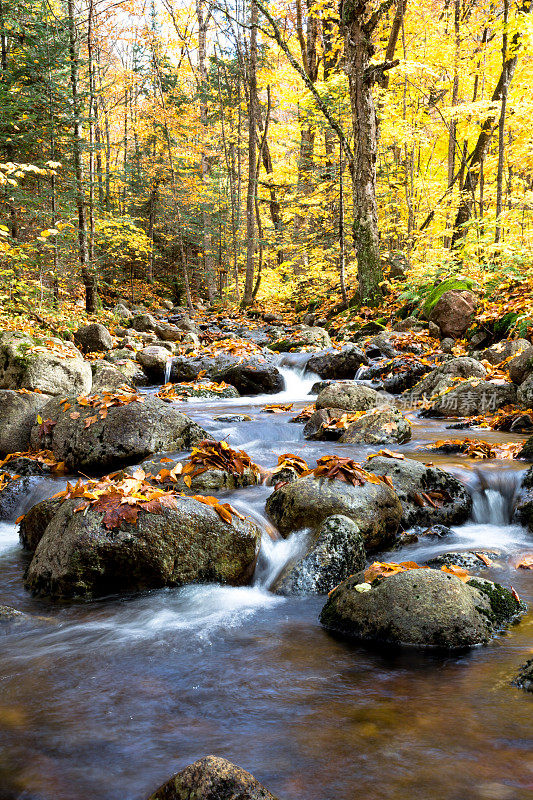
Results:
<point x="105" y="700"/>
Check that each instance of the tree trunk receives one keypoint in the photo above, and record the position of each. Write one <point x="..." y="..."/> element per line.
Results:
<point x="88" y="278"/>
<point x="252" y="157"/>
<point x="501" y="126"/>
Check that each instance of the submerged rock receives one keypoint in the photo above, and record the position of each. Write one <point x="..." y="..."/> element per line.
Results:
<point x="212" y="778"/>
<point x="411" y="479"/>
<point x="420" y="608"/>
<point x="307" y="502"/>
<point x="524" y="679"/>
<point x="130" y="432"/>
<point x="79" y="557"/>
<point x="336" y="551"/>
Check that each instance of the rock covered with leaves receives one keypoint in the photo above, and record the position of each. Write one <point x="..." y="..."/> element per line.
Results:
<point x="429" y="495"/>
<point x="212" y="778"/>
<point x="95" y="431"/>
<point x="404" y="604"/>
<point x="338" y="486"/>
<point x="128" y="534"/>
<point x="380" y="425"/>
<point x="51" y="366"/>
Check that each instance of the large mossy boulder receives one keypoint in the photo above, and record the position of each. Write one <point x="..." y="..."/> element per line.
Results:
<point x="380" y="425"/>
<point x="18" y="414"/>
<point x="338" y="364"/>
<point x="453" y="313"/>
<point x="212" y="778"/>
<point x="308" y="501"/>
<point x="129" y="432"/>
<point x="335" y="551"/>
<point x="51" y="366"/>
<point x="412" y="479"/>
<point x="79" y="557"/>
<point x="349" y="397"/>
<point x="420" y="608"/>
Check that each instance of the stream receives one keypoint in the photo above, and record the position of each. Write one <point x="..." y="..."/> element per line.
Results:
<point x="115" y="696"/>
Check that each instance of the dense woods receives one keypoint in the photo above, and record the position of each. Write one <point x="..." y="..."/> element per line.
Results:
<point x="261" y="152"/>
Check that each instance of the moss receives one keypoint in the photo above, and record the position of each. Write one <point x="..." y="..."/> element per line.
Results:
<point x="504" y="605"/>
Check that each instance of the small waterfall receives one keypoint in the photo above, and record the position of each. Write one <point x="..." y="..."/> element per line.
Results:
<point x="168" y="369"/>
<point x="494" y="494"/>
<point x="275" y="555"/>
<point x="360" y="372"/>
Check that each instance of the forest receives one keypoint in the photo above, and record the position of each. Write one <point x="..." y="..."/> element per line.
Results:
<point x="266" y="399"/>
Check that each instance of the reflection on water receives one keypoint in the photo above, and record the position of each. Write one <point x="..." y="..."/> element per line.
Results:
<point x="112" y="697"/>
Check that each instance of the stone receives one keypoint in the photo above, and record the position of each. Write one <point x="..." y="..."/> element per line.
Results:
<point x="381" y="425"/>
<point x="129" y="433"/>
<point x="313" y="427"/>
<point x="472" y="397"/>
<point x="411" y="478"/>
<point x="251" y="376"/>
<point x="447" y="344"/>
<point x="468" y="560"/>
<point x="524" y="679"/>
<point x="350" y="397"/>
<point x="503" y="350"/>
<point x="338" y="364"/>
<point x="212" y="778"/>
<point x="154" y="361"/>
<point x="420" y="608"/>
<point x="146" y="323"/>
<point x="454" y="313"/>
<point x="308" y="501"/>
<point x="318" y="338"/>
<point x="440" y="377"/>
<point x="18" y="414"/>
<point x="521" y="366"/>
<point x="408" y="324"/>
<point x="93" y="338"/>
<point x="78" y="557"/>
<point x="524" y="394"/>
<point x="57" y="367"/>
<point x="123" y="312"/>
<point x="106" y="377"/>
<point x="336" y="551"/>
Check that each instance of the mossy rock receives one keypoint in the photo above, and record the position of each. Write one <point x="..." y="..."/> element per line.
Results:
<point x="450" y="284"/>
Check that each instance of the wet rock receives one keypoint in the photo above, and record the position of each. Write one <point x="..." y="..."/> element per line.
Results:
<point x="521" y="366"/>
<point x="313" y="427"/>
<point x="199" y="390"/>
<point x="440" y="378"/>
<point x="411" y="479"/>
<point x="454" y="313"/>
<point x="35" y="522"/>
<point x="317" y="338"/>
<point x="502" y="350"/>
<point x="401" y="374"/>
<point x="524" y="679"/>
<point x="391" y="344"/>
<point x="212" y="778"/>
<point x="93" y="338"/>
<point x="338" y="364"/>
<point x="11" y="495"/>
<point x="130" y="432"/>
<point x="349" y="397"/>
<point x="252" y="377"/>
<point x="336" y="551"/>
<point x="212" y="480"/>
<point x="471" y="397"/>
<point x="468" y="560"/>
<point x="61" y="372"/>
<point x="78" y="557"/>
<point x="420" y="608"/>
<point x="435" y="531"/>
<point x="18" y="413"/>
<point x="12" y="620"/>
<point x="381" y="425"/>
<point x="233" y="418"/>
<point x="308" y="501"/>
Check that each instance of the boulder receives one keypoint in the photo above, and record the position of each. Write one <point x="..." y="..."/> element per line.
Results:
<point x="212" y="778"/>
<point x="93" y="338"/>
<point x="18" y="413"/>
<point x="503" y="350"/>
<point x="132" y="373"/>
<point x="468" y="559"/>
<point x="106" y="377"/>
<point x="204" y="390"/>
<point x="408" y="324"/>
<point x="524" y="394"/>
<point x="470" y="398"/>
<point x="411" y="479"/>
<point x="122" y="311"/>
<point x="254" y="375"/>
<point x="308" y="501"/>
<point x="318" y="338"/>
<point x="420" y="608"/>
<point x="154" y="361"/>
<point x="212" y="480"/>
<point x="336" y="551"/>
<point x="338" y="364"/>
<point x="313" y="427"/>
<point x="12" y="490"/>
<point x="521" y="366"/>
<point x="453" y="313"/>
<point x="401" y="374"/>
<point x="524" y="679"/>
<point x="78" y="557"/>
<point x="130" y="432"/>
<point x="56" y="367"/>
<point x="35" y="522"/>
<point x="146" y="323"/>
<point x="441" y="378"/>
<point x="349" y="397"/>
<point x="381" y="425"/>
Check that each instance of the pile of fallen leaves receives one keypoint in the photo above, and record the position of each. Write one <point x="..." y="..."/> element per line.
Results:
<point x="210" y="454"/>
<point x="277" y="408"/>
<point x="180" y="391"/>
<point x="476" y="448"/>
<point x="102" y="402"/>
<point x="44" y="457"/>
<point x="290" y="461"/>
<point x="5" y="479"/>
<point x="305" y="414"/>
<point x="384" y="569"/>
<point x="121" y="498"/>
<point x="235" y="347"/>
<point x="347" y="470"/>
